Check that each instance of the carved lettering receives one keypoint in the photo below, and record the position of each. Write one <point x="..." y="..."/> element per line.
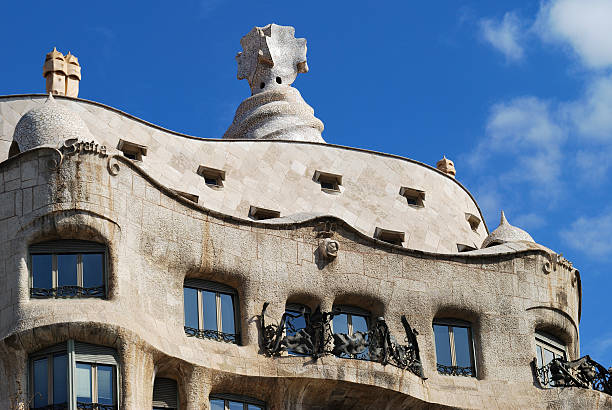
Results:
<point x="73" y="146"/>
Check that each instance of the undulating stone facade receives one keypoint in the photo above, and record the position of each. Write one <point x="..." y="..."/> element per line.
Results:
<point x="172" y="211"/>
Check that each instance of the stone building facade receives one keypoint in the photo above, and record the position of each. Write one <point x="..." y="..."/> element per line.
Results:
<point x="141" y="268"/>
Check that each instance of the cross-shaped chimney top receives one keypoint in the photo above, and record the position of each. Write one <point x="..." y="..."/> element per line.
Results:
<point x="272" y="57"/>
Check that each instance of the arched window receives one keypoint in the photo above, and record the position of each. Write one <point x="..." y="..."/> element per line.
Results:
<point x="454" y="347"/>
<point x="74" y="375"/>
<point x="353" y="322"/>
<point x="68" y="269"/>
<point x="211" y="311"/>
<point x="548" y="348"/>
<point x="235" y="402"/>
<point x="165" y="394"/>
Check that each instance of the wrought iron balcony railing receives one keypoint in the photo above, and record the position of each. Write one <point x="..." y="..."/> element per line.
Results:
<point x="456" y="370"/>
<point x="68" y="292"/>
<point x="212" y="334"/>
<point x="96" y="406"/>
<point x="316" y="339"/>
<point x="584" y="372"/>
<point x="59" y="406"/>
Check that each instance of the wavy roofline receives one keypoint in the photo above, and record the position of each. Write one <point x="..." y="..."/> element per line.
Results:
<point x="178" y="134"/>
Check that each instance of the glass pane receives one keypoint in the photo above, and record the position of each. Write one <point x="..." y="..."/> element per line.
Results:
<point x="253" y="407"/>
<point x="340" y="323"/>
<point x="443" y="353"/>
<point x="41" y="393"/>
<point x="60" y="379"/>
<point x="93" y="270"/>
<point x="548" y="356"/>
<point x="462" y="346"/>
<point x="209" y="310"/>
<point x="539" y="356"/>
<point x="191" y="307"/>
<point x="297" y="323"/>
<point x="66" y="270"/>
<point x="227" y="314"/>
<point x="360" y="324"/>
<point x="217" y="404"/>
<point x="42" y="266"/>
<point x="83" y="382"/>
<point x="236" y="405"/>
<point x="105" y="385"/>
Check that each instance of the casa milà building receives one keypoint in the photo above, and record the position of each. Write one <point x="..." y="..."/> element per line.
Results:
<point x="141" y="268"/>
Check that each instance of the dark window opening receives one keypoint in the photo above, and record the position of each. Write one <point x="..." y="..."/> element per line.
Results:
<point x="392" y="237"/>
<point x="165" y="394"/>
<point x="14" y="149"/>
<point x="131" y="150"/>
<point x="329" y="182"/>
<point x="213" y="178"/>
<point x="262" y="213"/>
<point x="414" y="197"/>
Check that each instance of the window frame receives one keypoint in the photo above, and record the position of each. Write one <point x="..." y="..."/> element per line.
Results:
<point x="295" y="308"/>
<point x="67" y="247"/>
<point x="351" y="311"/>
<point x="218" y="288"/>
<point x="552" y="344"/>
<point x="450" y="323"/>
<point x="77" y="352"/>
<point x="162" y="391"/>
<point x="244" y="400"/>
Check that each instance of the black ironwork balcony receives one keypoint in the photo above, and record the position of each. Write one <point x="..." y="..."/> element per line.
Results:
<point x="584" y="372"/>
<point x="212" y="334"/>
<point x="60" y="406"/>
<point x="456" y="370"/>
<point x="316" y="338"/>
<point x="68" y="292"/>
<point x="96" y="406"/>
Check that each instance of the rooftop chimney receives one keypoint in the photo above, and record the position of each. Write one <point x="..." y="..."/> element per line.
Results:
<point x="447" y="166"/>
<point x="62" y="73"/>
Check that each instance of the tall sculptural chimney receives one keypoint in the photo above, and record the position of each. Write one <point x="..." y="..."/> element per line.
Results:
<point x="62" y="73"/>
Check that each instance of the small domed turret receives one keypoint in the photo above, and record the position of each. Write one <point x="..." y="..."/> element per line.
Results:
<point x="506" y="233"/>
<point x="447" y="166"/>
<point x="49" y="124"/>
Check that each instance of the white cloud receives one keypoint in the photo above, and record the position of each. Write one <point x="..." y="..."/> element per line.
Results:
<point x="584" y="25"/>
<point x="592" y="114"/>
<point x="529" y="221"/>
<point x="504" y="35"/>
<point x="590" y="235"/>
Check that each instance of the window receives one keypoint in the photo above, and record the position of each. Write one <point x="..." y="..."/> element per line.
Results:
<point x="414" y="197"/>
<point x="465" y="248"/>
<point x="165" y="394"/>
<point x="262" y="213"/>
<point x="329" y="182"/>
<point x="295" y="321"/>
<point x="212" y="177"/>
<point x="473" y="220"/>
<point x="92" y="370"/>
<point x="454" y="348"/>
<point x="235" y="402"/>
<point x="132" y="150"/>
<point x="68" y="269"/>
<point x="350" y="320"/>
<point x="210" y="310"/>
<point x="548" y="348"/>
<point x="386" y="235"/>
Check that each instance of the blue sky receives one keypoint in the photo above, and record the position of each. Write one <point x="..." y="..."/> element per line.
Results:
<point x="517" y="93"/>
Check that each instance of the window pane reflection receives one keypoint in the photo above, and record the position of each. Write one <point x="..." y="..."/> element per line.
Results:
<point x="442" y="339"/>
<point x="191" y="307"/>
<point x="227" y="314"/>
<point x="209" y="307"/>
<point x="340" y="323"/>
<point x="92" y="270"/>
<point x="42" y="266"/>
<point x="41" y="393"/>
<point x="105" y="384"/>
<point x="83" y="382"/>
<point x="66" y="270"/>
<point x="217" y="405"/>
<point x="60" y="379"/>
<point x="234" y="405"/>
<point x="462" y="346"/>
<point x="360" y="324"/>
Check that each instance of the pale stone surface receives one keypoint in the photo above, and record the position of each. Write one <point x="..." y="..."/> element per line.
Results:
<point x="279" y="175"/>
<point x="271" y="60"/>
<point x="506" y="233"/>
<point x="157" y="238"/>
<point x="62" y="73"/>
<point x="447" y="166"/>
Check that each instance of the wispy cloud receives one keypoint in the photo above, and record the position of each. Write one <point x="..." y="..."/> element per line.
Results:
<point x="583" y="26"/>
<point x="504" y="35"/>
<point x="588" y="234"/>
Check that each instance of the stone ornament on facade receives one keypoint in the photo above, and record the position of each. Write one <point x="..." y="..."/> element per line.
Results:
<point x="270" y="61"/>
<point x="62" y="73"/>
<point x="328" y="248"/>
<point x="447" y="166"/>
<point x="584" y="372"/>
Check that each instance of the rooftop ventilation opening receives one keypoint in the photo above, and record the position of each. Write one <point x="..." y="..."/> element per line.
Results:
<point x="329" y="182"/>
<point x="414" y="197"/>
<point x="212" y="177"/>
<point x="473" y="220"/>
<point x="259" y="214"/>
<point x="131" y="150"/>
<point x="13" y="149"/>
<point x="386" y="235"/>
<point x="465" y="248"/>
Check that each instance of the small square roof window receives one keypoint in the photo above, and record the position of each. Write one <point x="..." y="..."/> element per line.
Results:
<point x="465" y="248"/>
<point x="132" y="150"/>
<point x="258" y="213"/>
<point x="387" y="235"/>
<point x="473" y="220"/>
<point x="212" y="177"/>
<point x="329" y="182"/>
<point x="414" y="197"/>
